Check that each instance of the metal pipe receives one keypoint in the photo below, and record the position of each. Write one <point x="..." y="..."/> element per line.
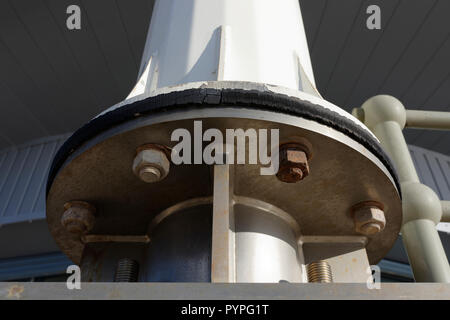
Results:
<point x="428" y="119"/>
<point x="229" y="43"/>
<point x="393" y="142"/>
<point x="422" y="210"/>
<point x="425" y="252"/>
<point x="445" y="211"/>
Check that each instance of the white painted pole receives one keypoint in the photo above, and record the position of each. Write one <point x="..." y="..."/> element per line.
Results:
<point x="261" y="41"/>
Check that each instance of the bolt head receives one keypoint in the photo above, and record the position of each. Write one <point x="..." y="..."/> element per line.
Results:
<point x="151" y="165"/>
<point x="369" y="219"/>
<point x="293" y="164"/>
<point x="78" y="217"/>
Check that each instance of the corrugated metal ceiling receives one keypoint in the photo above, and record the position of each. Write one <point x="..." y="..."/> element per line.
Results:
<point x="407" y="58"/>
<point x="52" y="80"/>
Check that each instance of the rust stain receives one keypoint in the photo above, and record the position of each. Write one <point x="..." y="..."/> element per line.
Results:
<point x="15" y="292"/>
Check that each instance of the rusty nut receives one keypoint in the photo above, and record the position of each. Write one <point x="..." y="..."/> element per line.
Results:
<point x="369" y="219"/>
<point x="78" y="217"/>
<point x="293" y="163"/>
<point x="151" y="165"/>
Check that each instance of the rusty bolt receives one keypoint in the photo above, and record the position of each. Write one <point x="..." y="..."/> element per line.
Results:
<point x="293" y="163"/>
<point x="78" y="217"/>
<point x="369" y="217"/>
<point x="151" y="163"/>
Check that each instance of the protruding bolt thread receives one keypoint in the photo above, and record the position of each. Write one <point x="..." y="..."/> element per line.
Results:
<point x="127" y="270"/>
<point x="319" y="271"/>
<point x="149" y="174"/>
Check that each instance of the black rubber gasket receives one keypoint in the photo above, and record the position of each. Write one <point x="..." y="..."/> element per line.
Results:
<point x="210" y="98"/>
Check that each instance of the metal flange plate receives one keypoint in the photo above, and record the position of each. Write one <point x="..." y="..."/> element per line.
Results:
<point x="343" y="172"/>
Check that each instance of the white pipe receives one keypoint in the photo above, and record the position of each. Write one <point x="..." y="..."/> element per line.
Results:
<point x="422" y="209"/>
<point x="261" y="41"/>
<point x="428" y="119"/>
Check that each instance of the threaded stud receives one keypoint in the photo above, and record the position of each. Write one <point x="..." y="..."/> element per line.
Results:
<point x="127" y="270"/>
<point x="319" y="271"/>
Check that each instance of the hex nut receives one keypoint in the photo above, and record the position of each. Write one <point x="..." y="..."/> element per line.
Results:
<point x="369" y="218"/>
<point x="151" y="165"/>
<point x="293" y="163"/>
<point x="78" y="217"/>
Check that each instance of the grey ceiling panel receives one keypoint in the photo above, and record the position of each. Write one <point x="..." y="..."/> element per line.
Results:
<point x="353" y="58"/>
<point x="28" y="52"/>
<point x="4" y="142"/>
<point x="108" y="27"/>
<point x="407" y="58"/>
<point x="133" y="27"/>
<point x="43" y="29"/>
<point x="430" y="40"/>
<point x="16" y="110"/>
<point x="338" y="13"/>
<point x="86" y="53"/>
<point x="398" y="33"/>
<point x="431" y="77"/>
<point x="41" y="26"/>
<point x="22" y="92"/>
<point x="313" y="13"/>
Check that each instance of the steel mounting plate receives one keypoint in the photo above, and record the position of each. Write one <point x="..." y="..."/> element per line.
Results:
<point x="342" y="173"/>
